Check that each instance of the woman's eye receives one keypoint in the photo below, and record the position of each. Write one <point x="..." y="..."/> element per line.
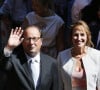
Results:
<point x="82" y="34"/>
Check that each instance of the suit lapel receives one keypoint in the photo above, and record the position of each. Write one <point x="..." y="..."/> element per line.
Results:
<point x="42" y="70"/>
<point x="26" y="68"/>
<point x="27" y="72"/>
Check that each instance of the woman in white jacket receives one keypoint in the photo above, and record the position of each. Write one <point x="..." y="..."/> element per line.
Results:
<point x="80" y="65"/>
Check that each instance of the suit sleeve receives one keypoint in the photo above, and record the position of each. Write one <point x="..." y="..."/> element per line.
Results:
<point x="5" y="62"/>
<point x="56" y="78"/>
<point x="61" y="84"/>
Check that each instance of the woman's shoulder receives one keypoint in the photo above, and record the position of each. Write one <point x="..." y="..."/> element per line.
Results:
<point x="64" y="56"/>
<point x="93" y="50"/>
<point x="65" y="53"/>
<point x="94" y="53"/>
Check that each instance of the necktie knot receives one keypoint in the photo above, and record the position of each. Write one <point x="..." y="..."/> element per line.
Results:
<point x="34" y="61"/>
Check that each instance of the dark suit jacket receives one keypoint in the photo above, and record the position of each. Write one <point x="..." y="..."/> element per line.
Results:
<point x="19" y="76"/>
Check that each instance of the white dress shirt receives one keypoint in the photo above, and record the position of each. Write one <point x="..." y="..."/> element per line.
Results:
<point x="34" y="63"/>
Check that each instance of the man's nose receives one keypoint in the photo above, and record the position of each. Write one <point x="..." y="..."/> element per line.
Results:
<point x="31" y="41"/>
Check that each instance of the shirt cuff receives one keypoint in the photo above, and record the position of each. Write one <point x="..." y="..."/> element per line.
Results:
<point x="7" y="52"/>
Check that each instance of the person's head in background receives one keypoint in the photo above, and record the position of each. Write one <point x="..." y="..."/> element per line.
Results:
<point x="32" y="40"/>
<point x="41" y="7"/>
<point x="81" y="35"/>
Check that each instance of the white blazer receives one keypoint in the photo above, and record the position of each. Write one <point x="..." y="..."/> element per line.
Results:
<point x="91" y="62"/>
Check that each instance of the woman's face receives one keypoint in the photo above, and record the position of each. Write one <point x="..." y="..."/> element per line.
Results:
<point x="38" y="7"/>
<point x="79" y="37"/>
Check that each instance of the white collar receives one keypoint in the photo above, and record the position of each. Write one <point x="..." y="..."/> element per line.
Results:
<point x="36" y="58"/>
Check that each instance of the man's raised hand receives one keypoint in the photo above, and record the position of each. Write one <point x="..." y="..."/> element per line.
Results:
<point x="15" y="38"/>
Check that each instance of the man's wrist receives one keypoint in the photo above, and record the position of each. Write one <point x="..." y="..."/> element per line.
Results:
<point x="7" y="52"/>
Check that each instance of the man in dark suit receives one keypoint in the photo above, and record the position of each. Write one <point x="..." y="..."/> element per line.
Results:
<point x="18" y="63"/>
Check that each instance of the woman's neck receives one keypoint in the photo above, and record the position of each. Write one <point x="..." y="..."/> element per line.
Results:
<point x="78" y="52"/>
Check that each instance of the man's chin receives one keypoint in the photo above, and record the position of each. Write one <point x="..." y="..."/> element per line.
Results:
<point x="32" y="53"/>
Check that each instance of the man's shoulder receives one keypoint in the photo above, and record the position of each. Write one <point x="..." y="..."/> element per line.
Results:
<point x="47" y="57"/>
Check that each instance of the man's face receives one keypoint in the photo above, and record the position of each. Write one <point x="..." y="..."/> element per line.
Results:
<point x="32" y="41"/>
